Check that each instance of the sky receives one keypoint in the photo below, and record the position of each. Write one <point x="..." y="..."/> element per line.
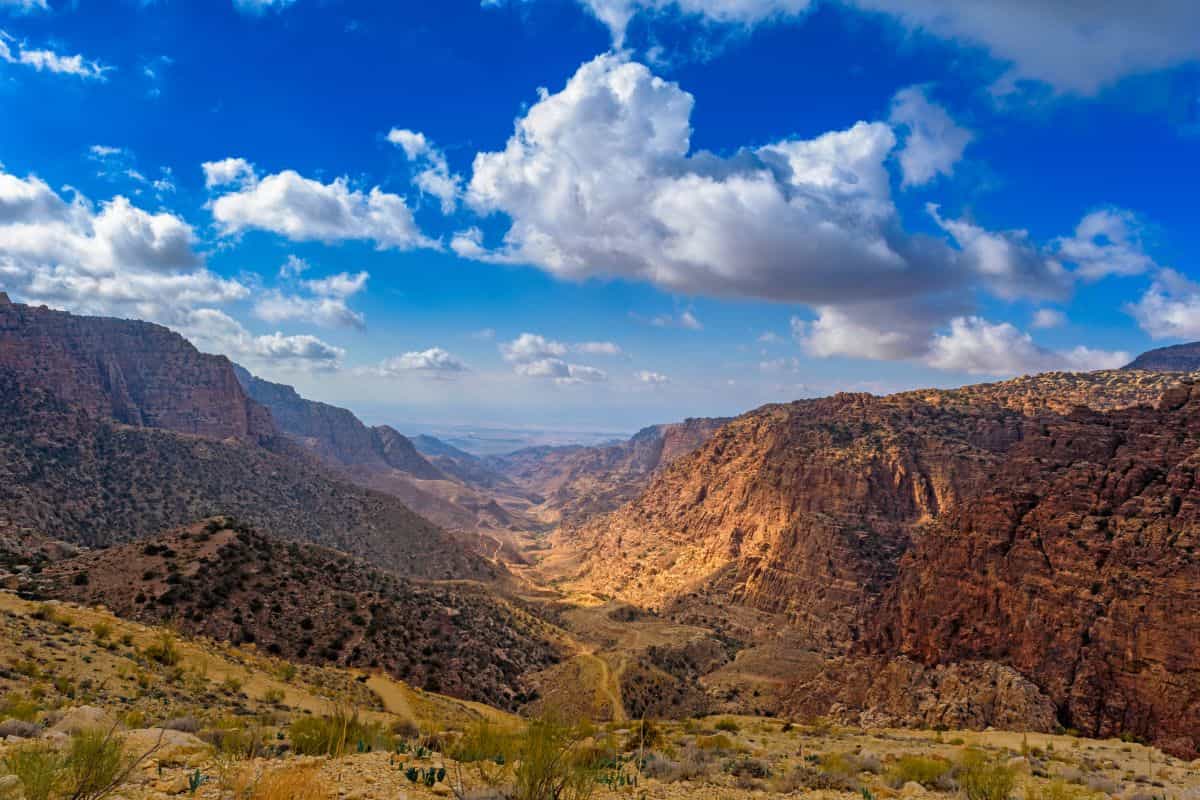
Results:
<point x="602" y="214"/>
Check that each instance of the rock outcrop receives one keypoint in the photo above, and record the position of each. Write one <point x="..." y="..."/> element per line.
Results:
<point x="578" y="482"/>
<point x="982" y="525"/>
<point x="132" y="372"/>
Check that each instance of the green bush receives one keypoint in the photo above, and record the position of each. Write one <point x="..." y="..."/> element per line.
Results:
<point x="37" y="768"/>
<point x="333" y="735"/>
<point x="94" y="764"/>
<point x="983" y="778"/>
<point x="550" y="767"/>
<point x="925" y="771"/>
<point x="728" y="725"/>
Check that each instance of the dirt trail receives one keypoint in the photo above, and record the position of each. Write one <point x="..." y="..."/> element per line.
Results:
<point x="393" y="696"/>
<point x="608" y="685"/>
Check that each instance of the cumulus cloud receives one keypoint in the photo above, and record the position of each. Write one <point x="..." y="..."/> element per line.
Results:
<point x="43" y="60"/>
<point x="116" y="259"/>
<point x="302" y="209"/>
<point x="1009" y="262"/>
<point x="652" y="378"/>
<point x="979" y="347"/>
<point x="1106" y="242"/>
<point x="434" y="362"/>
<point x="228" y="171"/>
<point x="324" y="302"/>
<point x="215" y="331"/>
<point x="1170" y="308"/>
<point x="933" y="142"/>
<point x="294" y="267"/>
<point x="433" y="176"/>
<point x="598" y="180"/>
<point x="535" y="356"/>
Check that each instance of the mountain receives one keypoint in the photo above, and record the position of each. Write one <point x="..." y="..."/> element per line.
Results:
<point x="466" y="467"/>
<point x="1176" y="358"/>
<point x="131" y="372"/>
<point x="930" y="541"/>
<point x="226" y="581"/>
<point x="383" y="459"/>
<point x="578" y="482"/>
<point x="335" y="434"/>
<point x="71" y="476"/>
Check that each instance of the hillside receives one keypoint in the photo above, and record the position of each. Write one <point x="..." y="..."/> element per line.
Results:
<point x="68" y="475"/>
<point x="227" y="582"/>
<point x="1175" y="358"/>
<point x="578" y="482"/>
<point x="383" y="459"/>
<point x="935" y="526"/>
<point x="132" y="372"/>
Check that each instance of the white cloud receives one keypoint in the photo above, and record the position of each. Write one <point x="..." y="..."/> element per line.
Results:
<point x="1049" y="318"/>
<point x="215" y="331"/>
<point x="1170" y="308"/>
<point x="652" y="378"/>
<point x="1106" y="242"/>
<point x="531" y="347"/>
<point x="325" y="304"/>
<point x="535" y="356"/>
<point x="257" y="8"/>
<point x="685" y="319"/>
<point x="434" y="177"/>
<point x="15" y="52"/>
<point x="302" y="209"/>
<point x="769" y="337"/>
<point x="977" y="346"/>
<point x="1009" y="262"/>
<point x="598" y="180"/>
<point x="294" y="267"/>
<point x="435" y="361"/>
<point x="484" y="334"/>
<point x="598" y="348"/>
<point x="119" y="260"/>
<point x="1073" y="46"/>
<point x="933" y="142"/>
<point x="228" y="171"/>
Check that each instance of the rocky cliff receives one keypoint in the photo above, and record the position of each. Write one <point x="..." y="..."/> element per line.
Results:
<point x="579" y="482"/>
<point x="1048" y="558"/>
<point x="133" y="372"/>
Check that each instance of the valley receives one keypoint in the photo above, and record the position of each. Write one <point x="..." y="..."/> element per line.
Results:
<point x="1017" y="556"/>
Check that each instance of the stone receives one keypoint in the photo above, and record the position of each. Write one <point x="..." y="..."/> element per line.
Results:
<point x="81" y="718"/>
<point x="170" y="748"/>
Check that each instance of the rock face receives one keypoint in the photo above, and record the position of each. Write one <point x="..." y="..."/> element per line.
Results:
<point x="579" y="482"/>
<point x="1176" y="358"/>
<point x="977" y="526"/>
<point x="335" y="434"/>
<point x="228" y="582"/>
<point x="1077" y="563"/>
<point x="133" y="372"/>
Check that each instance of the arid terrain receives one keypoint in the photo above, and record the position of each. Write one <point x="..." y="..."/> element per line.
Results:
<point x="878" y="596"/>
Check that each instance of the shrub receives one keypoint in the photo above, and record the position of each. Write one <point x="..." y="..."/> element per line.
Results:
<point x="94" y="764"/>
<point x="642" y="736"/>
<point x="984" y="778"/>
<point x="332" y="735"/>
<point x="806" y="776"/>
<point x="728" y="725"/>
<point x="549" y="766"/>
<point x="273" y="696"/>
<point x="296" y="783"/>
<point x="718" y="742"/>
<point x="925" y="771"/>
<point x="37" y="768"/>
<point x="102" y="630"/>
<point x="165" y="651"/>
<point x="746" y="767"/>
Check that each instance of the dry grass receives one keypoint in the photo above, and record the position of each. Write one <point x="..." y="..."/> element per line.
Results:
<point x="293" y="783"/>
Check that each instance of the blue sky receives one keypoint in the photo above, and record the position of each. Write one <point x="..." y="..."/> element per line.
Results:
<point x="607" y="213"/>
